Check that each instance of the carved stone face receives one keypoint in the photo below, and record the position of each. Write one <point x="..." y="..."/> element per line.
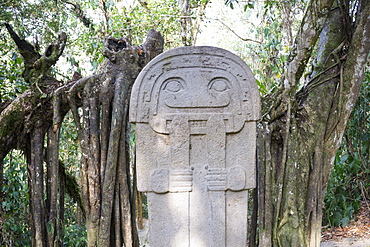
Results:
<point x="198" y="82"/>
<point x="197" y="93"/>
<point x="195" y="89"/>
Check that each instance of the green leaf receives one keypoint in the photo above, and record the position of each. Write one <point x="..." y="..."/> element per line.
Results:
<point x="50" y="227"/>
<point x="343" y="158"/>
<point x="18" y="60"/>
<point x="344" y="221"/>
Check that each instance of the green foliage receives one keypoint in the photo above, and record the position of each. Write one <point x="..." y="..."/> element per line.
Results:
<point x="134" y="21"/>
<point x="272" y="27"/>
<point x="15" y="202"/>
<point x="230" y="3"/>
<point x="39" y="22"/>
<point x="70" y="154"/>
<point x="11" y="66"/>
<point x="11" y="82"/>
<point x="69" y="150"/>
<point x="247" y="4"/>
<point x="145" y="206"/>
<point x="74" y="231"/>
<point x="271" y="55"/>
<point x="349" y="182"/>
<point x="343" y="197"/>
<point x="76" y="236"/>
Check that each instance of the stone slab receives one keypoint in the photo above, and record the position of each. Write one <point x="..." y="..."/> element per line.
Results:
<point x="195" y="110"/>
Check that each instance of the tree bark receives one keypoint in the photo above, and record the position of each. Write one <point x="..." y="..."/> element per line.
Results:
<point x="36" y="178"/>
<point x="189" y="27"/>
<point x="105" y="174"/>
<point x="25" y="122"/>
<point x="300" y="133"/>
<point x="52" y="188"/>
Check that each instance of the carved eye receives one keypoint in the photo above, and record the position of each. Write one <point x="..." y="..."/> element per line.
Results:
<point x="219" y="85"/>
<point x="173" y="86"/>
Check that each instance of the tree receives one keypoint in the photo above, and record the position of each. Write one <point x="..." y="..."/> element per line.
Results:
<point x="190" y="24"/>
<point x="302" y="127"/>
<point x="349" y="181"/>
<point x="106" y="194"/>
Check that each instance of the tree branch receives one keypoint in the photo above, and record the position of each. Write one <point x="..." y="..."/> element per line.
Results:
<point x="104" y="9"/>
<point x="353" y="69"/>
<point x="53" y="52"/>
<point x="237" y="35"/>
<point x="80" y="14"/>
<point x="36" y="67"/>
<point x="144" y="5"/>
<point x="307" y="36"/>
<point x="27" y="50"/>
<point x="152" y="47"/>
<point x="198" y="20"/>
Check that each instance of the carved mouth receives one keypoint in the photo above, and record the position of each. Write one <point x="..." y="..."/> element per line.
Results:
<point x="188" y="100"/>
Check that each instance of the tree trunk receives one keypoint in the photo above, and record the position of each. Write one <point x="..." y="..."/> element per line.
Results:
<point x="185" y="22"/>
<point x="36" y="178"/>
<point x="191" y="17"/>
<point x="102" y="133"/>
<point x="105" y="174"/>
<point x="301" y="132"/>
<point x="24" y="124"/>
<point x="52" y="188"/>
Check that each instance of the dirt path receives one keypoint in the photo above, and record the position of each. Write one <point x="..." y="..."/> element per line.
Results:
<point x="347" y="242"/>
<point x="355" y="234"/>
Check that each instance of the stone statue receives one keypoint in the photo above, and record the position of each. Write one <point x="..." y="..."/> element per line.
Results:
<point x="195" y="110"/>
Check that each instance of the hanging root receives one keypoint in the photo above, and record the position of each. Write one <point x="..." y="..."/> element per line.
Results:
<point x="73" y="93"/>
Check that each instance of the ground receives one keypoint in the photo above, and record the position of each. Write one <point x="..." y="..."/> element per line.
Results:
<point x="355" y="234"/>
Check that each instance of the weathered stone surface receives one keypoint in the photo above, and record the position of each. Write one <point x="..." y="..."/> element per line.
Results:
<point x="195" y="110"/>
